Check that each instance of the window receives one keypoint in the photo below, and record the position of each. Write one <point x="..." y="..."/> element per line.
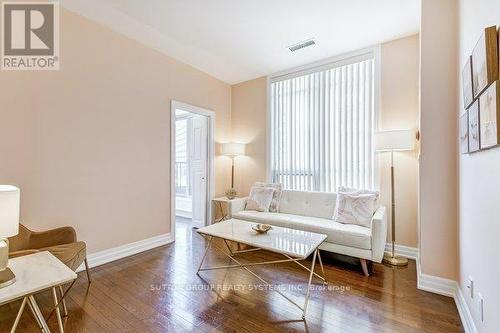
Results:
<point x="182" y="178"/>
<point x="322" y="123"/>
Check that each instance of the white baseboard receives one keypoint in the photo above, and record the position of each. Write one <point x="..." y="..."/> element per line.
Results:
<point x="464" y="312"/>
<point x="402" y="250"/>
<point x="122" y="251"/>
<point x="450" y="288"/>
<point x="435" y="284"/>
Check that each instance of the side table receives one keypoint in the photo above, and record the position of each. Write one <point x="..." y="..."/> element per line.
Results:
<point x="35" y="273"/>
<point x="222" y="209"/>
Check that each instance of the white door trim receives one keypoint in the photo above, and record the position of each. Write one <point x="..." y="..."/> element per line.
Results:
<point x="210" y="158"/>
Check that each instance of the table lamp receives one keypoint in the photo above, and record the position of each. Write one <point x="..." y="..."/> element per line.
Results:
<point x="391" y="141"/>
<point x="232" y="149"/>
<point x="9" y="226"/>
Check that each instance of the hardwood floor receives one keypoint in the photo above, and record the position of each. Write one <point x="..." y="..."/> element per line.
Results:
<point x="159" y="291"/>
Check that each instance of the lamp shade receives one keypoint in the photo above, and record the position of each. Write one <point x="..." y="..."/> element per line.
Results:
<point x="395" y="140"/>
<point x="233" y="149"/>
<point x="9" y="210"/>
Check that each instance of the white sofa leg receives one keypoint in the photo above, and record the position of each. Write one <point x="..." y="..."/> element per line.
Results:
<point x="364" y="265"/>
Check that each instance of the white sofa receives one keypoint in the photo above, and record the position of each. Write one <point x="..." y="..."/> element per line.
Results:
<point x="313" y="211"/>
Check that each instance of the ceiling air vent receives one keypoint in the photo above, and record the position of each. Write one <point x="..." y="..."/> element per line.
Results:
<point x="301" y="45"/>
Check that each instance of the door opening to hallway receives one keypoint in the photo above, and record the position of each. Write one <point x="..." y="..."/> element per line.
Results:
<point x="192" y="166"/>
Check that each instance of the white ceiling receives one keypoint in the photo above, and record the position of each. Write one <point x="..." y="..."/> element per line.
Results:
<point x="238" y="40"/>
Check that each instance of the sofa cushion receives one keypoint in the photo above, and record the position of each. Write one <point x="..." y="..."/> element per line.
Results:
<point x="342" y="234"/>
<point x="275" y="202"/>
<point x="355" y="208"/>
<point x="352" y="190"/>
<point x="338" y="233"/>
<point x="316" y="204"/>
<point x="260" y="198"/>
<point x="262" y="217"/>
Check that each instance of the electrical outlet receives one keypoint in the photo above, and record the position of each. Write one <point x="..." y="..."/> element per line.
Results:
<point x="471" y="287"/>
<point x="481" y="306"/>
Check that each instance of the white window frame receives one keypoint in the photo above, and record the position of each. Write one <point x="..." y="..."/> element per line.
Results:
<point x="337" y="61"/>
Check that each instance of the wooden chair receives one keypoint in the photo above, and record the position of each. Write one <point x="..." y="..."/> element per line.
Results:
<point x="61" y="242"/>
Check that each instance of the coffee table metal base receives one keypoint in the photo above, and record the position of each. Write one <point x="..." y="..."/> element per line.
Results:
<point x="232" y="254"/>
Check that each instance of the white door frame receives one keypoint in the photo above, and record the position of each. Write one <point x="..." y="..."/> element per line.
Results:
<point x="210" y="158"/>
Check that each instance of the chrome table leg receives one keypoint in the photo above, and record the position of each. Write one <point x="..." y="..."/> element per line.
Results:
<point x="205" y="254"/>
<point x="18" y="317"/>
<point x="58" y="311"/>
<point x="35" y="315"/>
<point x="322" y="278"/>
<point x="231" y="256"/>
<point x="65" y="309"/>
<point x="39" y="314"/>
<point x="322" y="268"/>
<point x="309" y="284"/>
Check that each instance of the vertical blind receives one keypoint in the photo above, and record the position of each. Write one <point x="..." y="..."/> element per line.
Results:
<point x="322" y="126"/>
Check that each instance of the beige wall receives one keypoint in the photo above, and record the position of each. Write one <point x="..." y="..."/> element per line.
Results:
<point x="89" y="145"/>
<point x="399" y="109"/>
<point x="479" y="191"/>
<point x="248" y="120"/>
<point x="438" y="125"/>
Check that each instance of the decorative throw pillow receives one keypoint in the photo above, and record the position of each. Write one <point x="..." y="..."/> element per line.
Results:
<point x="260" y="199"/>
<point x="354" y="208"/>
<point x="351" y="190"/>
<point x="275" y="203"/>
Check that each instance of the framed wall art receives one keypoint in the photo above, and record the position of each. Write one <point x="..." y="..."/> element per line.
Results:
<point x="467" y="87"/>
<point x="464" y="133"/>
<point x="489" y="115"/>
<point x="474" y="139"/>
<point x="485" y="61"/>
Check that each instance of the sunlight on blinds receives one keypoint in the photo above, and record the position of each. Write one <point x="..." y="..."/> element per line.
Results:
<point x="322" y="127"/>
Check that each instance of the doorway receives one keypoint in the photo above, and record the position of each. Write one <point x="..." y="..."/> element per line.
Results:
<point x="192" y="152"/>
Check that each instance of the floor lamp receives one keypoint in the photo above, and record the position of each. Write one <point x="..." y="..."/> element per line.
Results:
<point x="232" y="150"/>
<point x="393" y="141"/>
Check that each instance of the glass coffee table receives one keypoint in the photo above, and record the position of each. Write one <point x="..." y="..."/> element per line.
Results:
<point x="294" y="245"/>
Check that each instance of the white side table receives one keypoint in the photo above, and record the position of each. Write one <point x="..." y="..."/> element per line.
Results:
<point x="35" y="273"/>
<point x="222" y="208"/>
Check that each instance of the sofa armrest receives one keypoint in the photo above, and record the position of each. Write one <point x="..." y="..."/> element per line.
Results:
<point x="237" y="205"/>
<point x="379" y="234"/>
